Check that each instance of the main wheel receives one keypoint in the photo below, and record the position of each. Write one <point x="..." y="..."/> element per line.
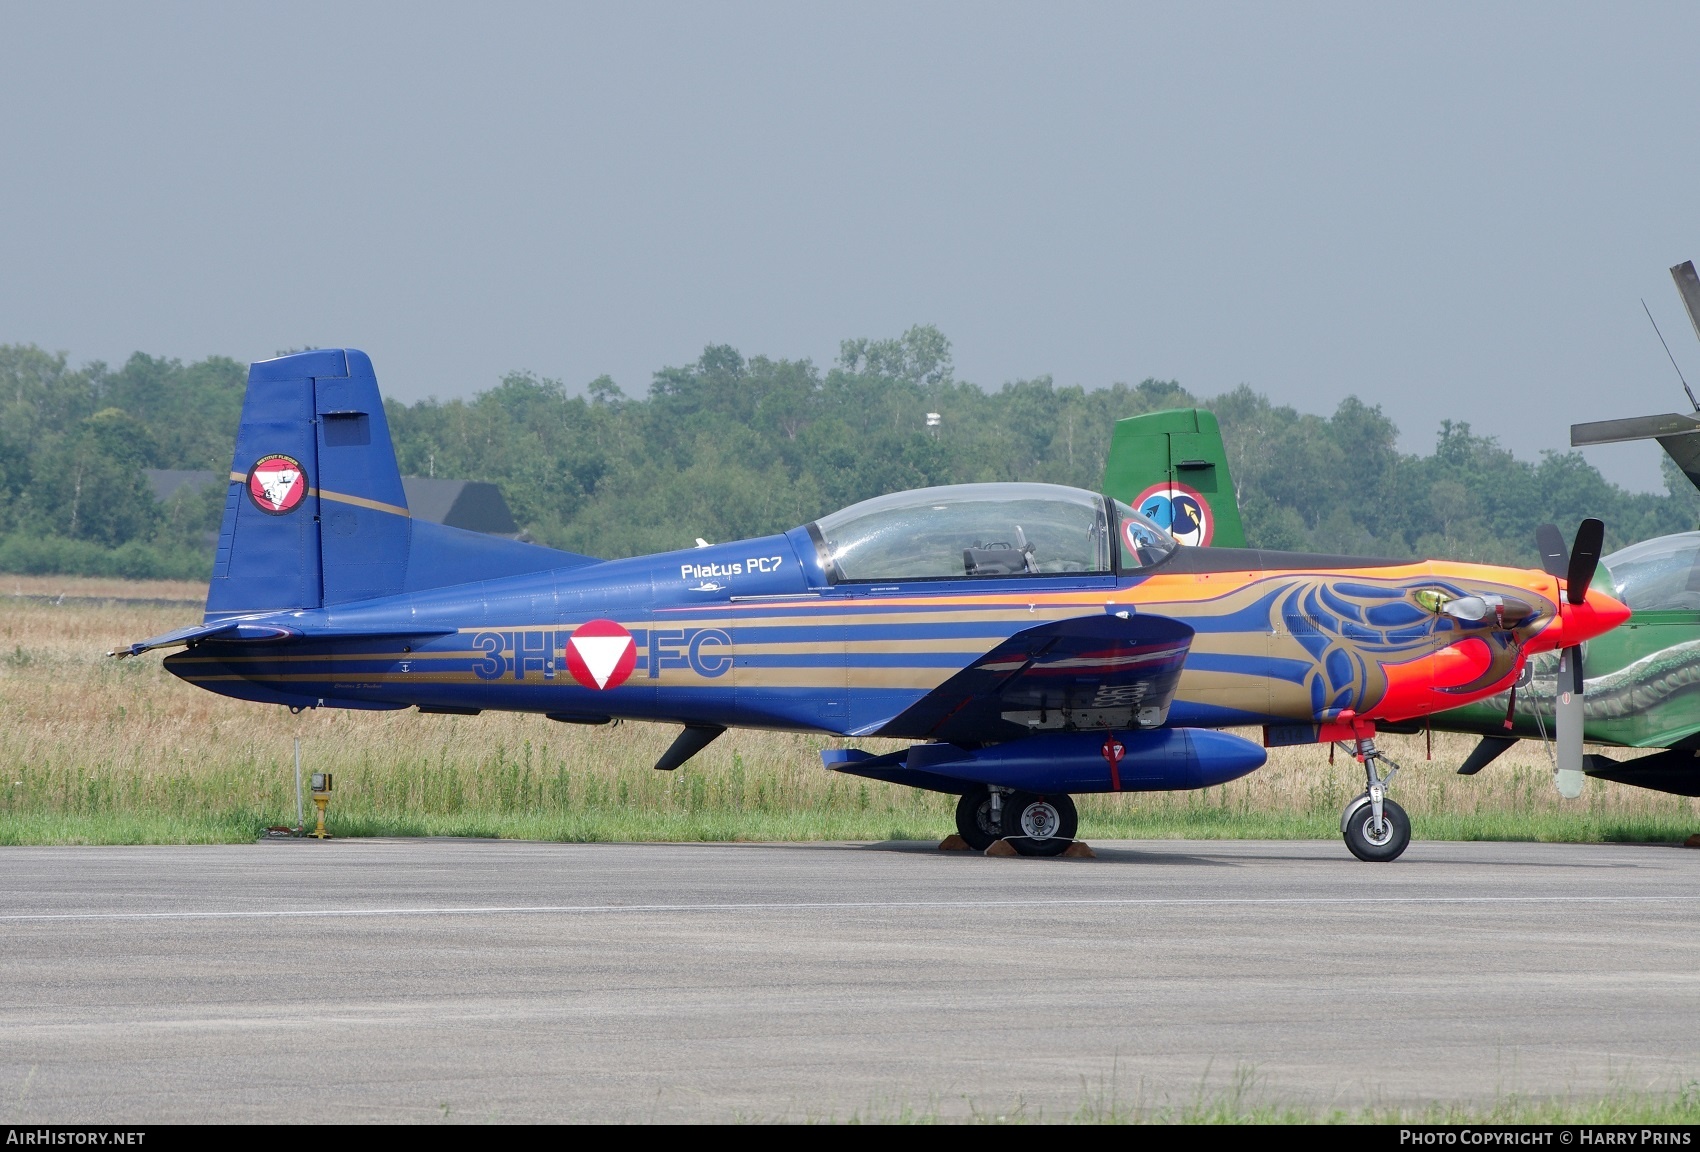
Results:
<point x="1368" y="842"/>
<point x="974" y="819"/>
<point x="1040" y="825"/>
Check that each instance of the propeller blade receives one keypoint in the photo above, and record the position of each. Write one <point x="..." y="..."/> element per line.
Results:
<point x="1555" y="556"/>
<point x="1568" y="772"/>
<point x="1584" y="558"/>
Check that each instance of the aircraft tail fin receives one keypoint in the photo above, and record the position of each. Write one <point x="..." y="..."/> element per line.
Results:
<point x="1173" y="466"/>
<point x="316" y="513"/>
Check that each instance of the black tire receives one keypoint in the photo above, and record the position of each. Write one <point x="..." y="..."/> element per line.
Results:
<point x="1053" y="817"/>
<point x="974" y="820"/>
<point x="1362" y="839"/>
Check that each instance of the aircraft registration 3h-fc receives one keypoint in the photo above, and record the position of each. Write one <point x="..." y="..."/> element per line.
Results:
<point x="1032" y="641"/>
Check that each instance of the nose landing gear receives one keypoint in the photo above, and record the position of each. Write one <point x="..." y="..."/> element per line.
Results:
<point x="1375" y="828"/>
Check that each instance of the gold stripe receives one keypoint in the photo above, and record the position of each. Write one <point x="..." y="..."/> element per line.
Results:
<point x="362" y="502"/>
<point x="341" y="498"/>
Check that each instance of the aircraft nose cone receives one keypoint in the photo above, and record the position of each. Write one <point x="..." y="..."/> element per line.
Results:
<point x="1609" y="610"/>
<point x="1600" y="613"/>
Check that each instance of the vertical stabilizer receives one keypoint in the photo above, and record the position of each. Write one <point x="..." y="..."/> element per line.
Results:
<point x="364" y="524"/>
<point x="1688" y="287"/>
<point x="1173" y="467"/>
<point x="317" y="515"/>
<point x="268" y="542"/>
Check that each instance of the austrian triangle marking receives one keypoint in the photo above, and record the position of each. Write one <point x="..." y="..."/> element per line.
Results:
<point x="601" y="654"/>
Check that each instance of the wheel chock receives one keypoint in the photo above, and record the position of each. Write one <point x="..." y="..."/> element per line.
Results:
<point x="1080" y="850"/>
<point x="953" y="843"/>
<point x="1002" y="848"/>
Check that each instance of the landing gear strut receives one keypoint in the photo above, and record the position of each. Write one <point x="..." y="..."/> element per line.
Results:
<point x="1375" y="828"/>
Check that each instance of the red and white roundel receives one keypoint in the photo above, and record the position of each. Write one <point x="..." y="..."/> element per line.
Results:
<point x="277" y="484"/>
<point x="1182" y="511"/>
<point x="601" y="654"/>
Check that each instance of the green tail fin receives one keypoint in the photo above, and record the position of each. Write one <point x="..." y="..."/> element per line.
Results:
<point x="1172" y="466"/>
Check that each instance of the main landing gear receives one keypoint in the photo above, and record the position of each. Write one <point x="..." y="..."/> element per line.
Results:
<point x="1376" y="829"/>
<point x="1034" y="825"/>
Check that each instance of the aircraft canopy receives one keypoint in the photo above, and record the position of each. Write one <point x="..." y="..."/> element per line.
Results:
<point x="1658" y="575"/>
<point x="976" y="530"/>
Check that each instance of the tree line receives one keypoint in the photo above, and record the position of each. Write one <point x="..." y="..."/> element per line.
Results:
<point x="732" y="446"/>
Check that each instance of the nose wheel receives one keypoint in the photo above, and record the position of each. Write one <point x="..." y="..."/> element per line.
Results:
<point x="1374" y="827"/>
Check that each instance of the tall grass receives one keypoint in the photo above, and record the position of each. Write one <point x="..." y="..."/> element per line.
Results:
<point x="95" y="750"/>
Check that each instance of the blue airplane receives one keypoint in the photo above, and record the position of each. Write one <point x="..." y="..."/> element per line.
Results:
<point x="1033" y="641"/>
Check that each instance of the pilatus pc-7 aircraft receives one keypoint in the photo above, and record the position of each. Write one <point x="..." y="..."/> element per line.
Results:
<point x="1032" y="641"/>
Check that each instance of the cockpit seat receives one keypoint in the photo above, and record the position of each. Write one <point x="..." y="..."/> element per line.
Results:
<point x="994" y="561"/>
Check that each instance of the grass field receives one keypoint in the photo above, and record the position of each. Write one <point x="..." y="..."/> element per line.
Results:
<point x="1246" y="1097"/>
<point x="95" y="750"/>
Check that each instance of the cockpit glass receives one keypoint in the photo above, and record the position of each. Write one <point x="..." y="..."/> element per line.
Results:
<point x="967" y="530"/>
<point x="1141" y="541"/>
<point x="1658" y="575"/>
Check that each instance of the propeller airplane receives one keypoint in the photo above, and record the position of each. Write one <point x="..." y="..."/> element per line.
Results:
<point x="1030" y="641"/>
<point x="1644" y="691"/>
<point x="1646" y="674"/>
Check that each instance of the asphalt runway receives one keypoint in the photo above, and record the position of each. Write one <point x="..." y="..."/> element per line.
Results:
<point x="501" y="981"/>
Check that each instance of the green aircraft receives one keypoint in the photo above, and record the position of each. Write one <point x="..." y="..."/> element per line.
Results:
<point x="1640" y="683"/>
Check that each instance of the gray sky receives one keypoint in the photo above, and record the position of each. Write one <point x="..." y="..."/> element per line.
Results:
<point x="1449" y="211"/>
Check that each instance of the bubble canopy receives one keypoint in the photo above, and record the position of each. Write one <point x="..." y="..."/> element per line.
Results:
<point x="1659" y="575"/>
<point x="972" y="531"/>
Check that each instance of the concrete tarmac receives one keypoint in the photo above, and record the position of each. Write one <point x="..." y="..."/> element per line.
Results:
<point x="501" y="981"/>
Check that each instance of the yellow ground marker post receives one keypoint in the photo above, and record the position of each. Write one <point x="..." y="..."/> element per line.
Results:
<point x="322" y="782"/>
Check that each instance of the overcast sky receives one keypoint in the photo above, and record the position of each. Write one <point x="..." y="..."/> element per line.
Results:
<point x="1448" y="211"/>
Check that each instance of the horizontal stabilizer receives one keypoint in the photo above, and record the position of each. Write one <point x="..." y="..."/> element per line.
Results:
<point x="247" y="632"/>
<point x="1090" y="672"/>
<point x="1677" y="434"/>
<point x="221" y="630"/>
<point x="1633" y="428"/>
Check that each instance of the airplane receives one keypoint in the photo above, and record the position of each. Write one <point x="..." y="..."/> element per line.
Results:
<point x="1642" y="693"/>
<point x="1642" y="680"/>
<point x="1032" y="641"/>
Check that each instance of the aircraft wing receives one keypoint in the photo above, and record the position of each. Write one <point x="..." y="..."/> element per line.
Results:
<point x="1102" y="671"/>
